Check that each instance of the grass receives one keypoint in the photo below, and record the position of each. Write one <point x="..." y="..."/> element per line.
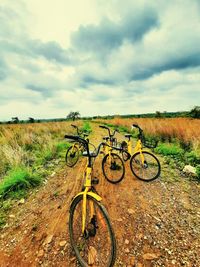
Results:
<point x="17" y="181"/>
<point x="169" y="149"/>
<point x="86" y="127"/>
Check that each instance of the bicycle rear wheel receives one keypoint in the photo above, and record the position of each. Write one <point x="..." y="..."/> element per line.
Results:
<point x="125" y="155"/>
<point x="97" y="246"/>
<point x="147" y="171"/>
<point x="113" y="168"/>
<point x="72" y="155"/>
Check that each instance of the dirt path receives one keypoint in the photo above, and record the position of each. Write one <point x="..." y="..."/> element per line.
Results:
<point x="156" y="224"/>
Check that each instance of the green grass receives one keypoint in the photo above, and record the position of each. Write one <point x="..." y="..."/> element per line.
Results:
<point x="17" y="182"/>
<point x="86" y="127"/>
<point x="169" y="150"/>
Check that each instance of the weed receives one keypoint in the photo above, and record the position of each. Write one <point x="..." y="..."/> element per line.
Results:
<point x="169" y="149"/>
<point x="17" y="182"/>
<point x="86" y="127"/>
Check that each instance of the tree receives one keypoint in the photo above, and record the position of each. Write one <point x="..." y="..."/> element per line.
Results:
<point x="158" y="114"/>
<point x="31" y="120"/>
<point x="15" y="120"/>
<point x="195" y="112"/>
<point x="73" y="115"/>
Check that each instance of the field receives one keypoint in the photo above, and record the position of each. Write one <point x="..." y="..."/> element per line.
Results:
<point x="183" y="130"/>
<point x="156" y="224"/>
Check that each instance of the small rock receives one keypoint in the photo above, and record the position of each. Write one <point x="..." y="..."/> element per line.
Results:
<point x="21" y="201"/>
<point x="127" y="250"/>
<point x="120" y="220"/>
<point x="92" y="255"/>
<point x="41" y="253"/>
<point x="126" y="242"/>
<point x="48" y="239"/>
<point x="130" y="211"/>
<point x="150" y="256"/>
<point x="62" y="243"/>
<point x="12" y="216"/>
<point x="189" y="169"/>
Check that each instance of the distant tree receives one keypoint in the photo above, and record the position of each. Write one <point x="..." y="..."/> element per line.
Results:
<point x="73" y="115"/>
<point x="15" y="120"/>
<point x="31" y="120"/>
<point x="158" y="114"/>
<point x="195" y="112"/>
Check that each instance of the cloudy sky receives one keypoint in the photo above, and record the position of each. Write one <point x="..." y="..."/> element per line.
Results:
<point x="98" y="57"/>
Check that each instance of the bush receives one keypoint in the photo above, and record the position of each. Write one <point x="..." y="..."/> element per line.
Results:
<point x="169" y="150"/>
<point x="198" y="172"/>
<point x="86" y="127"/>
<point x="18" y="180"/>
<point x="192" y="158"/>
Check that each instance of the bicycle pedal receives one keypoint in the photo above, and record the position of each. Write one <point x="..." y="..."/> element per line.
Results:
<point x="95" y="180"/>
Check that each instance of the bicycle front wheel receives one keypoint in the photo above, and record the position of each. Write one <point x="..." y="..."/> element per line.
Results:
<point x="113" y="168"/>
<point x="145" y="166"/>
<point x="72" y="155"/>
<point x="97" y="245"/>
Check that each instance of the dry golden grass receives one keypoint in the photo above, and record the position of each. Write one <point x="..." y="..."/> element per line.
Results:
<point x="20" y="142"/>
<point x="183" y="129"/>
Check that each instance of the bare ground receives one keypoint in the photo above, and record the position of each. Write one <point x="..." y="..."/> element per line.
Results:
<point x="156" y="224"/>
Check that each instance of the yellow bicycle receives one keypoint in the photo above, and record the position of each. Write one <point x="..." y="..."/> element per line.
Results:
<point x="91" y="234"/>
<point x="112" y="164"/>
<point x="144" y="165"/>
<point x="74" y="151"/>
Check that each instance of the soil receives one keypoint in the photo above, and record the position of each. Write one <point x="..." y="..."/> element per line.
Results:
<point x="156" y="223"/>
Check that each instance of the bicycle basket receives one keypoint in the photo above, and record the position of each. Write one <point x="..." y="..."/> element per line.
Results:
<point x="150" y="143"/>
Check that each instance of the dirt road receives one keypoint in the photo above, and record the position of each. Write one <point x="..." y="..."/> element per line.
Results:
<point x="156" y="224"/>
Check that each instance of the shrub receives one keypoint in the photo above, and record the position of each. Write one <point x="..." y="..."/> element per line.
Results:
<point x="192" y="158"/>
<point x="86" y="127"/>
<point x="169" y="149"/>
<point x="198" y="171"/>
<point x="18" y="180"/>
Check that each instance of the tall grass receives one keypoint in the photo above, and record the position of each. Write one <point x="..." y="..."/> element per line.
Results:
<point x="183" y="130"/>
<point x="30" y="144"/>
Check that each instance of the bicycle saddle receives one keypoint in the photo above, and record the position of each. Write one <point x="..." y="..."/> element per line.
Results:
<point x="128" y="135"/>
<point x="106" y="138"/>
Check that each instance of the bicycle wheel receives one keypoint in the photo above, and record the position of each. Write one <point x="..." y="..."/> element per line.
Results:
<point x="113" y="168"/>
<point x="97" y="246"/>
<point x="148" y="171"/>
<point x="125" y="155"/>
<point x="72" y="155"/>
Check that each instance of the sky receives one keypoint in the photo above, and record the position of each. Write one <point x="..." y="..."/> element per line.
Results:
<point x="98" y="57"/>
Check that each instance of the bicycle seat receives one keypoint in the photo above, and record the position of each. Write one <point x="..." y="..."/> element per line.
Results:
<point x="128" y="135"/>
<point x="106" y="138"/>
<point x="85" y="134"/>
<point x="92" y="154"/>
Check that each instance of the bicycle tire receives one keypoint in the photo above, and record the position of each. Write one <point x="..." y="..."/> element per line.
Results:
<point x="151" y="165"/>
<point x="72" y="157"/>
<point x="110" y="171"/>
<point x="125" y="154"/>
<point x="76" y="236"/>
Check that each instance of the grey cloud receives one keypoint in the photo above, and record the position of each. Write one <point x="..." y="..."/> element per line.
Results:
<point x="109" y="34"/>
<point x="45" y="92"/>
<point x="49" y="50"/>
<point x="172" y="63"/>
<point x="89" y="80"/>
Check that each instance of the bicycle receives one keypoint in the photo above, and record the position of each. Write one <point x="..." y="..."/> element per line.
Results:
<point x="74" y="151"/>
<point x="112" y="164"/>
<point x="144" y="165"/>
<point x="91" y="234"/>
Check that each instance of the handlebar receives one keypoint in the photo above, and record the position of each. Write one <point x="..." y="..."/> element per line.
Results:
<point x="109" y="133"/>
